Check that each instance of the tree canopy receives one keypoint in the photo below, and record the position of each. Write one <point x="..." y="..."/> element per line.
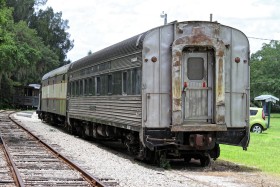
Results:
<point x="265" y="70"/>
<point x="52" y="29"/>
<point x="31" y="43"/>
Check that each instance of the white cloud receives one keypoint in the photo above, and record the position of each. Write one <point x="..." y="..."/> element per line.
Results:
<point x="96" y="24"/>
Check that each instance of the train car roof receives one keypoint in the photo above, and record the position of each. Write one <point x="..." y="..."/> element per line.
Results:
<point x="127" y="46"/>
<point x="55" y="72"/>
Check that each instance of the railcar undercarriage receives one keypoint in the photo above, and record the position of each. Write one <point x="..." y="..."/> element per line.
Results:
<point x="158" y="144"/>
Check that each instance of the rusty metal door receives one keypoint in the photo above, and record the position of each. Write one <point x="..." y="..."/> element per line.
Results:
<point x="197" y="87"/>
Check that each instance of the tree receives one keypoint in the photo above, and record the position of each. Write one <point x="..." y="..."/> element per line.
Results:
<point x="52" y="28"/>
<point x="33" y="57"/>
<point x="23" y="56"/>
<point x="265" y="70"/>
<point x="7" y="43"/>
<point x="24" y="9"/>
<point x="49" y="25"/>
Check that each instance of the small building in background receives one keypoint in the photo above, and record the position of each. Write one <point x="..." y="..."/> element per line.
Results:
<point x="26" y="97"/>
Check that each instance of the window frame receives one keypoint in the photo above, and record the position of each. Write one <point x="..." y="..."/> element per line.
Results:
<point x="124" y="83"/>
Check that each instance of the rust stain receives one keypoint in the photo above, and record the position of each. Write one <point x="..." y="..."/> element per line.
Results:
<point x="178" y="53"/>
<point x="217" y="31"/>
<point x="220" y="119"/>
<point x="177" y="88"/>
<point x="177" y="63"/>
<point x="220" y="77"/>
<point x="199" y="37"/>
<point x="182" y="40"/>
<point x="177" y="102"/>
<point x="220" y="53"/>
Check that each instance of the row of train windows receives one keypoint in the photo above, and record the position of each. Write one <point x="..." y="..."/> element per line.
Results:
<point x="100" y="85"/>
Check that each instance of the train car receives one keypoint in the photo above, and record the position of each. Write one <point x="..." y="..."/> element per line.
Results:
<point x="175" y="91"/>
<point x="26" y="97"/>
<point x="52" y="105"/>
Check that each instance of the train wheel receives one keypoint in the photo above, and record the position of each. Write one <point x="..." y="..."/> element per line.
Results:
<point x="71" y="129"/>
<point x="187" y="159"/>
<point x="151" y="157"/>
<point x="131" y="141"/>
<point x="205" y="160"/>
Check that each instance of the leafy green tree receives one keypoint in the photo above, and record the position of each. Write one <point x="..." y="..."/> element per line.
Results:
<point x="24" y="9"/>
<point x="52" y="28"/>
<point x="7" y="44"/>
<point x="7" y="47"/>
<point x="265" y="70"/>
<point x="33" y="57"/>
<point x="24" y="57"/>
<point x="49" y="25"/>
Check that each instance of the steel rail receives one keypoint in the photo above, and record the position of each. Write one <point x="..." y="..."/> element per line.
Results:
<point x="91" y="179"/>
<point x="15" y="172"/>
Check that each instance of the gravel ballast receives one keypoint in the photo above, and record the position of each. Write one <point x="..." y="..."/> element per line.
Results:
<point x="106" y="163"/>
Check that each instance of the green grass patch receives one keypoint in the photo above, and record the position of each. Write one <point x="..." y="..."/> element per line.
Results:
<point x="263" y="151"/>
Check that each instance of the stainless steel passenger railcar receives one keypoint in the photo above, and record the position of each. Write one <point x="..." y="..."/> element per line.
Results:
<point x="178" y="90"/>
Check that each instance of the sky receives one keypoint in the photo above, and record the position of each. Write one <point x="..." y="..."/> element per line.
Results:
<point x="96" y="24"/>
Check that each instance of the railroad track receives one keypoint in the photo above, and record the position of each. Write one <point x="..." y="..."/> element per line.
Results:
<point x="28" y="161"/>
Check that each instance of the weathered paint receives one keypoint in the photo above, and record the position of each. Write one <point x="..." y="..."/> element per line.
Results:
<point x="211" y="35"/>
<point x="54" y="91"/>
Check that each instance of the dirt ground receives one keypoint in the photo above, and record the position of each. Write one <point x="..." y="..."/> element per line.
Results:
<point x="245" y="176"/>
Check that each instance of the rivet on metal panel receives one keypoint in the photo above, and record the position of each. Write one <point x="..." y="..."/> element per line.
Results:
<point x="154" y="59"/>
<point x="146" y="60"/>
<point x="237" y="59"/>
<point x="245" y="61"/>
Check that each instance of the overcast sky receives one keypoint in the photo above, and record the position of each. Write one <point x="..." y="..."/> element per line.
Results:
<point x="96" y="24"/>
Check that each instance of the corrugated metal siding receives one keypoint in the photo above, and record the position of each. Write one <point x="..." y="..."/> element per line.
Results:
<point x="112" y="109"/>
<point x="125" y="47"/>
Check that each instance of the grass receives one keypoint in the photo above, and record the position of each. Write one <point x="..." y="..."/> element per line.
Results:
<point x="263" y="151"/>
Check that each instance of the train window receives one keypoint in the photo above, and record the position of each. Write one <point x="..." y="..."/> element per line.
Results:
<point x="53" y="89"/>
<point x="195" y="68"/>
<point x="91" y="86"/>
<point x="74" y="89"/>
<point x="124" y="83"/>
<point x="77" y="88"/>
<point x="138" y="81"/>
<point x="86" y="86"/>
<point x="71" y="89"/>
<point x="98" y="85"/>
<point x="81" y="87"/>
<point x="133" y="80"/>
<point x="110" y="84"/>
